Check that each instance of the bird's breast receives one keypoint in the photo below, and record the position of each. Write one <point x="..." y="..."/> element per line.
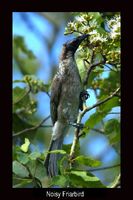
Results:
<point x="69" y="99"/>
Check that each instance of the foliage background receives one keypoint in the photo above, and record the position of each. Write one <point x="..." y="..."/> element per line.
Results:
<point x="37" y="41"/>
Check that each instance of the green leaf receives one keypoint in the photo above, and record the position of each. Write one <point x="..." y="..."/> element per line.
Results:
<point x="32" y="166"/>
<point x="19" y="169"/>
<point x="20" y="44"/>
<point x="19" y="124"/>
<point x="85" y="176"/>
<point x="97" y="17"/>
<point x="83" y="179"/>
<point x="112" y="129"/>
<point x="24" y="147"/>
<point x="45" y="87"/>
<point x="111" y="126"/>
<point x="94" y="74"/>
<point x="113" y="139"/>
<point x="58" y="151"/>
<point x="108" y="84"/>
<point x="84" y="160"/>
<point x="93" y="120"/>
<point x="37" y="169"/>
<point x="102" y="111"/>
<point x="15" y="151"/>
<point x="60" y="181"/>
<point x="67" y="148"/>
<point x="24" y="58"/>
<point x="21" y="101"/>
<point x="34" y="155"/>
<point x="18" y="81"/>
<point x="22" y="158"/>
<point x="101" y="31"/>
<point x="63" y="164"/>
<point x="22" y="183"/>
<point x="40" y="171"/>
<point x="98" y="58"/>
<point x="112" y="103"/>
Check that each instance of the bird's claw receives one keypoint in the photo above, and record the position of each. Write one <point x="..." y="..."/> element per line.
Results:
<point x="84" y="95"/>
<point x="77" y="125"/>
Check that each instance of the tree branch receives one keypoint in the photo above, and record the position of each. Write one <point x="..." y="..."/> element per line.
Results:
<point x="99" y="103"/>
<point x="75" y="140"/>
<point x="92" y="66"/>
<point x="86" y="109"/>
<point x="32" y="128"/>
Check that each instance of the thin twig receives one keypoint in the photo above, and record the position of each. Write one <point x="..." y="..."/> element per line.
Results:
<point x="47" y="94"/>
<point x="46" y="126"/>
<point x="86" y="67"/>
<point x="110" y="68"/>
<point x="75" y="141"/>
<point x="96" y="130"/>
<point x="92" y="56"/>
<point x="104" y="168"/>
<point x="32" y="128"/>
<point x="93" y="129"/>
<point x="74" y="31"/>
<point x="115" y="113"/>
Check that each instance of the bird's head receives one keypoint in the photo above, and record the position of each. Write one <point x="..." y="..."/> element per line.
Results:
<point x="74" y="43"/>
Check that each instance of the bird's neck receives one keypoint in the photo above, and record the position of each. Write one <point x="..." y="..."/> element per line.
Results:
<point x="67" y="62"/>
<point x="66" y="55"/>
<point x="68" y="66"/>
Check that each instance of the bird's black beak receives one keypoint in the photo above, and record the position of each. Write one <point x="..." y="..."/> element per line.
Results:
<point x="77" y="41"/>
<point x="74" y="43"/>
<point x="82" y="37"/>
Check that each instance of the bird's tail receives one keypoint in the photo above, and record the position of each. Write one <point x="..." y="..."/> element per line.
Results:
<point x="52" y="158"/>
<point x="59" y="132"/>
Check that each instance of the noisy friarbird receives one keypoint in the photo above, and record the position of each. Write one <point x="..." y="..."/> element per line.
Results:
<point x="65" y="102"/>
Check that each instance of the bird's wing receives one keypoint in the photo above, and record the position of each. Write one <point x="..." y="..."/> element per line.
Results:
<point x="55" y="96"/>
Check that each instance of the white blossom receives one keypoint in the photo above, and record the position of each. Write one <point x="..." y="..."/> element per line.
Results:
<point x="98" y="37"/>
<point x="80" y="19"/>
<point x="93" y="32"/>
<point x="114" y="25"/>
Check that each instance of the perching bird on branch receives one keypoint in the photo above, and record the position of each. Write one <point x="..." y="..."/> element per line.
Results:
<point x="67" y="97"/>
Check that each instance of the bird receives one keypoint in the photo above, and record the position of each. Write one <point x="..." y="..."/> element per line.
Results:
<point x="67" y="96"/>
